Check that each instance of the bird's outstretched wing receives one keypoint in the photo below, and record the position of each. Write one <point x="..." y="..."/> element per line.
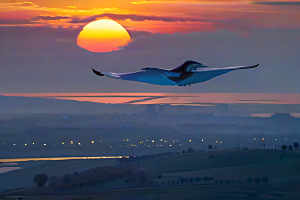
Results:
<point x="226" y="68"/>
<point x="155" y="77"/>
<point x="205" y="74"/>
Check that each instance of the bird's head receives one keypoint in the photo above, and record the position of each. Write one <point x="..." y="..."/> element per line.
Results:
<point x="193" y="66"/>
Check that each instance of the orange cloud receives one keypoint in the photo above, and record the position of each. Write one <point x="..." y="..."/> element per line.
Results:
<point x="192" y="2"/>
<point x="168" y="17"/>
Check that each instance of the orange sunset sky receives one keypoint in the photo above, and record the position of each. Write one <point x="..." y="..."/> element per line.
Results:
<point x="167" y="16"/>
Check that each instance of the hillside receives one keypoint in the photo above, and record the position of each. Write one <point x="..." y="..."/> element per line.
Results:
<point x="201" y="161"/>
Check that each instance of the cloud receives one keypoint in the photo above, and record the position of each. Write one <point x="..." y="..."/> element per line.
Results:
<point x="278" y="3"/>
<point x="186" y="2"/>
<point x="25" y="4"/>
<point x="144" y="100"/>
<point x="15" y="22"/>
<point x="65" y="40"/>
<point x="135" y="17"/>
<point x="22" y="35"/>
<point x="49" y="18"/>
<point x="138" y="34"/>
<point x="17" y="6"/>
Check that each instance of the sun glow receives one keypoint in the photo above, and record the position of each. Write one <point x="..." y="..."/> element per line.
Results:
<point x="103" y="36"/>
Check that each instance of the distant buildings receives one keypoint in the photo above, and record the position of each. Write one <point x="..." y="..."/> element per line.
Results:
<point x="223" y="111"/>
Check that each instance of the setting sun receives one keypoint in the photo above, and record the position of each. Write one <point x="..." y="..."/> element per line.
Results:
<point x="102" y="36"/>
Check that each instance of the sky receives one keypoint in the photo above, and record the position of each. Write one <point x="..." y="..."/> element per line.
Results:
<point x="39" y="51"/>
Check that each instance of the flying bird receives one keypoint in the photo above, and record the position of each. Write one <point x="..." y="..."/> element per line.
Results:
<point x="190" y="72"/>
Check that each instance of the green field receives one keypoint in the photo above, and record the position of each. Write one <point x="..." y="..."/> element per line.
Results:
<point x="194" y="192"/>
<point x="201" y="161"/>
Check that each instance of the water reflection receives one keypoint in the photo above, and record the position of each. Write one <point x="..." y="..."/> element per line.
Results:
<point x="8" y="169"/>
<point x="58" y="158"/>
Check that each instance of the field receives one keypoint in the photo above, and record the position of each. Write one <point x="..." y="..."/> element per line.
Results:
<point x="218" y="159"/>
<point x="194" y="192"/>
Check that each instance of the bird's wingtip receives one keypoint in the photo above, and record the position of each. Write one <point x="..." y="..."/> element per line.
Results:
<point x="98" y="73"/>
<point x="253" y="66"/>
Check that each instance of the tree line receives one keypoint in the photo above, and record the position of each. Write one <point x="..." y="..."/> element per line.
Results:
<point x="86" y="177"/>
<point x="290" y="147"/>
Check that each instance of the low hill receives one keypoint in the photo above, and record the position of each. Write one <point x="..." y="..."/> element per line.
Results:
<point x="277" y="172"/>
<point x="218" y="159"/>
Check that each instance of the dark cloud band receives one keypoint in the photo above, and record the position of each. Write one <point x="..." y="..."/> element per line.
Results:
<point x="134" y="17"/>
<point x="49" y="18"/>
<point x="279" y="3"/>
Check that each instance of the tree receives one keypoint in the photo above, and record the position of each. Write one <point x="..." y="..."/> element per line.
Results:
<point x="296" y="145"/>
<point x="249" y="180"/>
<point x="209" y="147"/>
<point x="265" y="179"/>
<point x="159" y="176"/>
<point x="290" y="148"/>
<point x="40" y="179"/>
<point x="67" y="179"/>
<point x="197" y="179"/>
<point x="208" y="179"/>
<point x="52" y="182"/>
<point x="191" y="180"/>
<point x="283" y="147"/>
<point x="127" y="174"/>
<point x="75" y="174"/>
<point x="184" y="180"/>
<point x="190" y="150"/>
<point x="183" y="152"/>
